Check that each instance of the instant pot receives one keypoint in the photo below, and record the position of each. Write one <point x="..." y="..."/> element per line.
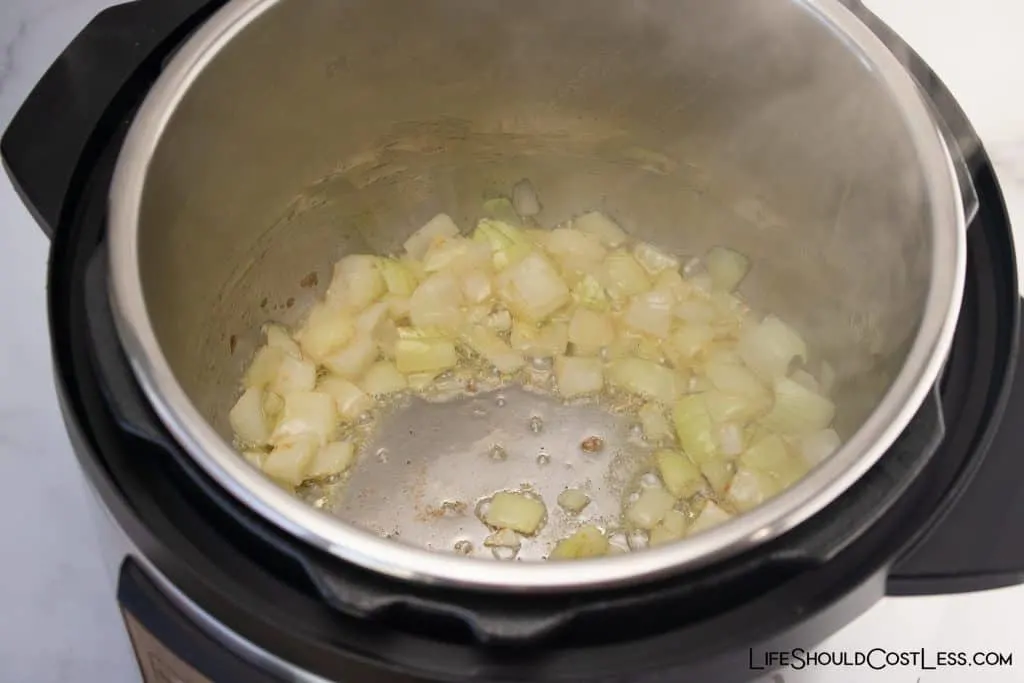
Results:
<point x="216" y="585"/>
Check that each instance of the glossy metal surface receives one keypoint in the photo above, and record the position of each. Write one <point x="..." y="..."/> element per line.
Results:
<point x="286" y="134"/>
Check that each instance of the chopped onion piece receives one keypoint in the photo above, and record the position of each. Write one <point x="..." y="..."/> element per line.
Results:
<point x="602" y="227"/>
<point x="272" y="404"/>
<point x="574" y="250"/>
<point x="264" y="367"/>
<point x="771" y="456"/>
<point x="278" y="337"/>
<point x="730" y="439"/>
<point x="534" y="289"/>
<point x="516" y="511"/>
<point x="719" y="473"/>
<point x="425" y="355"/>
<point x="255" y="458"/>
<point x="573" y="500"/>
<point x="770" y="347"/>
<point x="688" y="342"/>
<point x="476" y="286"/>
<point x="724" y="407"/>
<point x="398" y="278"/>
<point x="307" y="412"/>
<point x="333" y="458"/>
<point x="326" y="330"/>
<point x="695" y="429"/>
<point x="493" y="349"/>
<point x="798" y="411"/>
<point x="650" y="313"/>
<point x="590" y="293"/>
<point x="588" y="541"/>
<point x="545" y="341"/>
<point x="817" y="446"/>
<point x="524" y="199"/>
<point x="457" y="254"/>
<point x="499" y="321"/>
<point x="293" y="375"/>
<point x="624" y="276"/>
<point x="398" y="306"/>
<point x="507" y="243"/>
<point x="353" y="360"/>
<point x="436" y="303"/>
<point x="655" y="425"/>
<point x="644" y="377"/>
<point x="682" y="478"/>
<point x="710" y="516"/>
<point x="806" y="380"/>
<point x="247" y="418"/>
<point x="696" y="312"/>
<point x="578" y="376"/>
<point x="503" y="538"/>
<point x="590" y="331"/>
<point x="502" y="209"/>
<point x="654" y="260"/>
<point x="749" y="488"/>
<point x="349" y="399"/>
<point x="290" y="459"/>
<point x="673" y="284"/>
<point x="734" y="379"/>
<point x="357" y="282"/>
<point x="672" y="528"/>
<point x="650" y="508"/>
<point x="438" y="228"/>
<point x="727" y="268"/>
<point x="383" y="378"/>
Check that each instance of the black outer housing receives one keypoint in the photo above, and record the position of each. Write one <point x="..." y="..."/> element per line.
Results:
<point x="908" y="522"/>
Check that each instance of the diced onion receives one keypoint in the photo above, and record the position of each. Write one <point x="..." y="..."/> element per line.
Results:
<point x="293" y="375"/>
<point x="724" y="407"/>
<point x="508" y="244"/>
<point x="688" y="342"/>
<point x="425" y="355"/>
<point x="534" y="289"/>
<point x="588" y="541"/>
<point x="654" y="260"/>
<point x="734" y="379"/>
<point x="438" y="228"/>
<point x="817" y="446"/>
<point x="578" y="376"/>
<point x="730" y="439"/>
<point x="326" y="330"/>
<point x="682" y="478"/>
<point x="307" y="412"/>
<point x="654" y="423"/>
<point x="516" y="511"/>
<point x="357" y="282"/>
<point x="493" y="349"/>
<point x="545" y="341"/>
<point x="398" y="278"/>
<point x="719" y="473"/>
<point x="333" y="458"/>
<point x="711" y="516"/>
<point x="797" y="410"/>
<point x="264" y="367"/>
<point x="727" y="268"/>
<point x="771" y="456"/>
<point x="590" y="331"/>
<point x="696" y="312"/>
<point x="650" y="508"/>
<point x="476" y="286"/>
<point x="350" y="400"/>
<point x="383" y="378"/>
<point x="672" y="528"/>
<point x="524" y="199"/>
<point x="503" y="538"/>
<point x="436" y="303"/>
<point x="624" y="276"/>
<point x="573" y="500"/>
<point x="602" y="227"/>
<point x="502" y="209"/>
<point x="590" y="293"/>
<point x="650" y="313"/>
<point x="770" y="347"/>
<point x="575" y="250"/>
<point x="457" y="254"/>
<point x="248" y="419"/>
<point x="278" y="337"/>
<point x="353" y="360"/>
<point x="644" y="377"/>
<point x="695" y="429"/>
<point x="749" y="488"/>
<point x="290" y="459"/>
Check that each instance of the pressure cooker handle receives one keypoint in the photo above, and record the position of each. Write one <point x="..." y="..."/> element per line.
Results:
<point x="80" y="98"/>
<point x="976" y="543"/>
<point x="958" y="134"/>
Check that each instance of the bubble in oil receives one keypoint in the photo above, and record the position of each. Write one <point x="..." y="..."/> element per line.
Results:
<point x="500" y="401"/>
<point x="633" y="497"/>
<point x="382" y="456"/>
<point x="479" y="412"/>
<point x="650" y="481"/>
<point x="498" y="453"/>
<point x="541" y="364"/>
<point x="637" y="539"/>
<point x="543" y="458"/>
<point x="503" y="553"/>
<point x="463" y="547"/>
<point x="536" y="424"/>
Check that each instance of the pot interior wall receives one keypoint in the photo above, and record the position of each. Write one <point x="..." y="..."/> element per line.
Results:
<point x="326" y="128"/>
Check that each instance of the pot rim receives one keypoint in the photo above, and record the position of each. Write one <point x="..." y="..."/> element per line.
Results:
<point x="795" y="505"/>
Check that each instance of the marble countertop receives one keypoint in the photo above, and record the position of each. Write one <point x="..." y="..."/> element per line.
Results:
<point x="58" y="621"/>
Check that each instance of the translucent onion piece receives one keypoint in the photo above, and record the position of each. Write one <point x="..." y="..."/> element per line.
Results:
<point x="293" y="375"/>
<point x="672" y="283"/>
<point x="624" y="277"/>
<point x="352" y="361"/>
<point x="357" y="282"/>
<point x="503" y="538"/>
<point x="719" y="473"/>
<point x="730" y="439"/>
<point x="577" y="376"/>
<point x="398" y="306"/>
<point x="398" y="278"/>
<point x="438" y="228"/>
<point x="425" y="355"/>
<point x="573" y="500"/>
<point x="278" y="337"/>
<point x="545" y="341"/>
<point x="654" y="260"/>
<point x="508" y="244"/>
<point x="602" y="227"/>
<point x="436" y="303"/>
<point x="534" y="289"/>
<point x="476" y="286"/>
<point x="656" y="426"/>
<point x="383" y="378"/>
<point x="650" y="313"/>
<point x="650" y="508"/>
<point x="588" y="541"/>
<point x="350" y="400"/>
<point x="310" y="413"/>
<point x="770" y="347"/>
<point x="247" y="418"/>
<point x="771" y="456"/>
<point x="671" y="529"/>
<point x="696" y="312"/>
<point x="590" y="293"/>
<point x="749" y="488"/>
<point x="290" y="459"/>
<point x="688" y="342"/>
<point x="645" y="378"/>
<point x="255" y="458"/>
<point x="333" y="458"/>
<point x="725" y="408"/>
<point x="695" y="429"/>
<point x="726" y="267"/>
<point x="264" y="367"/>
<point x="798" y="411"/>
<point x="590" y="331"/>
<point x="457" y="254"/>
<point x="682" y="478"/>
<point x="574" y="250"/>
<point x="493" y="349"/>
<point x="734" y="379"/>
<point x="711" y="516"/>
<point x="516" y="511"/>
<point x="499" y="321"/>
<point x="326" y="330"/>
<point x="806" y="380"/>
<point x="524" y="199"/>
<point x="817" y="446"/>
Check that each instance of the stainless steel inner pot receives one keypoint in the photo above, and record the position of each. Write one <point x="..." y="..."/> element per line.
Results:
<point x="286" y="134"/>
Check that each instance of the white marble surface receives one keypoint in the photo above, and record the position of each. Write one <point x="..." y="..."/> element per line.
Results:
<point x="58" y="623"/>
